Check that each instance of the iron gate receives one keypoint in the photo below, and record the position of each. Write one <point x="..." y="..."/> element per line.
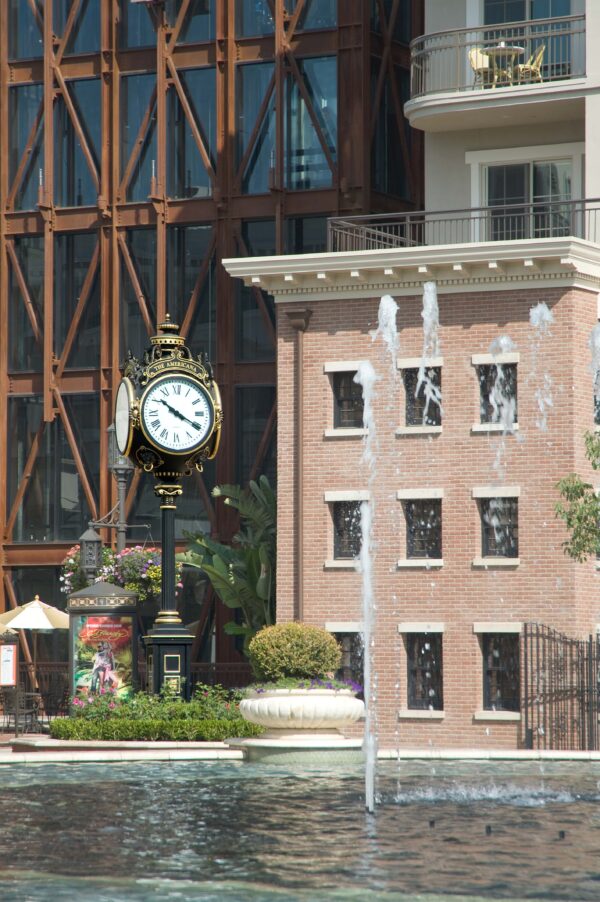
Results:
<point x="560" y="690"/>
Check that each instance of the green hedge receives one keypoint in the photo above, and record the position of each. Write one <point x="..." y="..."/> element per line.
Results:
<point x="152" y="729"/>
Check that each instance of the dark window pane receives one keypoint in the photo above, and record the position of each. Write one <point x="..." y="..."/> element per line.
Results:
<point x="501" y="672"/>
<point x="387" y="160"/>
<point x="508" y="190"/>
<point x="352" y="664"/>
<point x="145" y="516"/>
<point x="199" y="22"/>
<point x="500" y="11"/>
<point x="425" y="671"/>
<point x="315" y="14"/>
<point x="306" y="164"/>
<point x="498" y="393"/>
<point x="25" y="352"/>
<point x="306" y="234"/>
<point x="138" y="134"/>
<point x="255" y="313"/>
<point x="25" y="109"/>
<point x="401" y="28"/>
<point x="54" y="507"/>
<point x="135" y="27"/>
<point x="346" y="529"/>
<point x="73" y="254"/>
<point x="73" y="182"/>
<point x="423" y="528"/>
<point x="186" y="173"/>
<point x="141" y="245"/>
<point x="252" y="18"/>
<point x="347" y="401"/>
<point x="187" y="250"/>
<point x="85" y="34"/>
<point x="254" y="405"/>
<point x="25" y="29"/>
<point x="423" y="399"/>
<point x="500" y="527"/>
<point x="253" y="81"/>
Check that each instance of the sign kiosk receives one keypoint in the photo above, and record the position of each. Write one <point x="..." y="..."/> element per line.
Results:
<point x="9" y="668"/>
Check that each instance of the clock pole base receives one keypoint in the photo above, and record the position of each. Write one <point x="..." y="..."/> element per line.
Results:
<point x="168" y="657"/>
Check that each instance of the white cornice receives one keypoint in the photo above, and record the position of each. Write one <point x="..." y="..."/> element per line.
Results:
<point x="457" y="268"/>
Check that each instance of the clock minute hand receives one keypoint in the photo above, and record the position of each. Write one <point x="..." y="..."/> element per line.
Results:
<point x="180" y="415"/>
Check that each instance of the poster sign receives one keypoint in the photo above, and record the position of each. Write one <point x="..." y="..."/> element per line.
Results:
<point x="8" y="665"/>
<point x="102" y="654"/>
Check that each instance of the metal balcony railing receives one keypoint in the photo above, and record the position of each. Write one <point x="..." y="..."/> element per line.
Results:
<point x="510" y="222"/>
<point x="537" y="51"/>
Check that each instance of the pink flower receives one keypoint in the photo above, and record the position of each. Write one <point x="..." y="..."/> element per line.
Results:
<point x="112" y="705"/>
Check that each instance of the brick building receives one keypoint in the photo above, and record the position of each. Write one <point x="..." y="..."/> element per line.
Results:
<point x="466" y="548"/>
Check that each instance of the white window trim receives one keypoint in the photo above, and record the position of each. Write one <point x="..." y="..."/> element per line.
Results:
<point x="345" y="432"/>
<point x="493" y="427"/>
<point x="498" y="626"/>
<point x="501" y="358"/>
<point x="420" y="714"/>
<point x="342" y="366"/>
<point x="420" y="563"/>
<point x="537" y="153"/>
<point x="341" y="564"/>
<point x="415" y="363"/>
<point x="418" y="494"/>
<point x="488" y="563"/>
<point x="506" y="716"/>
<point x="423" y="430"/>
<point x="343" y="626"/>
<point x="346" y="495"/>
<point x="496" y="491"/>
<point x="421" y="626"/>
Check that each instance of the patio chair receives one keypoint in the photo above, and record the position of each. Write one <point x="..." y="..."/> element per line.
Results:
<point x="27" y="713"/>
<point x="480" y="64"/>
<point x="532" y="69"/>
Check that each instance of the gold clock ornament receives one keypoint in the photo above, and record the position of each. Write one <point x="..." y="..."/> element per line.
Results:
<point x="168" y="413"/>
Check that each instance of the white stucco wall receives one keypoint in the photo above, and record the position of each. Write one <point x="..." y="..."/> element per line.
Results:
<point x="447" y="176"/>
<point x="444" y="14"/>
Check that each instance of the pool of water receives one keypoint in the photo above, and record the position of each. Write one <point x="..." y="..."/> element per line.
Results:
<point x="243" y="833"/>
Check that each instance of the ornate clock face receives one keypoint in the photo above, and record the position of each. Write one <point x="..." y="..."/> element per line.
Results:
<point x="177" y="414"/>
<point x="123" y="415"/>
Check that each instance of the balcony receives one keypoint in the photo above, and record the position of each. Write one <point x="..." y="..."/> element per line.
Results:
<point x="514" y="222"/>
<point x="530" y="71"/>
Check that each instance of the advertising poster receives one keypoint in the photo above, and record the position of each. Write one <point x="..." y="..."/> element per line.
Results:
<point x="8" y="665"/>
<point x="102" y="654"/>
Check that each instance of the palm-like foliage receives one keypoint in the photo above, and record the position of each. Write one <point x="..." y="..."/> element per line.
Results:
<point x="243" y="573"/>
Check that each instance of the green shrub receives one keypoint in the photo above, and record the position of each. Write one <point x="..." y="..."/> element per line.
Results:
<point x="208" y="703"/>
<point x="294" y="650"/>
<point x="151" y="729"/>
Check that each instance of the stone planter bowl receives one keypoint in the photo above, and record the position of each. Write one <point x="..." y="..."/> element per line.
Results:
<point x="285" y="711"/>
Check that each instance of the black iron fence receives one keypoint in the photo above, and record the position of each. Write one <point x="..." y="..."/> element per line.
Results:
<point x="560" y="690"/>
<point x="502" y="222"/>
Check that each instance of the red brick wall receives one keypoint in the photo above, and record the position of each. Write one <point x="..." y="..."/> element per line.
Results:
<point x="546" y="587"/>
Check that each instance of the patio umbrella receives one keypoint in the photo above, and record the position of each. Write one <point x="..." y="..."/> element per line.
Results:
<point x="36" y="615"/>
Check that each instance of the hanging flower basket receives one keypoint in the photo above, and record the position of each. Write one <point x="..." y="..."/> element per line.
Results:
<point x="137" y="569"/>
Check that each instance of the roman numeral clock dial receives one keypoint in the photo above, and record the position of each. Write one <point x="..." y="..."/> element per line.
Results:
<point x="176" y="414"/>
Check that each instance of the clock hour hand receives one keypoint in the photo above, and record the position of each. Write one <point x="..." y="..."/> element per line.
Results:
<point x="181" y="416"/>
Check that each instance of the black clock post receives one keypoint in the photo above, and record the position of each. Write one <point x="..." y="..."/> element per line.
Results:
<point x="168" y="421"/>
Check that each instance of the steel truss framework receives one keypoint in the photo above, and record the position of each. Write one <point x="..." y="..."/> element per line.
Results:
<point x="367" y="64"/>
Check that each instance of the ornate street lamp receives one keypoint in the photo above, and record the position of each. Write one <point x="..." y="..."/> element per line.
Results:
<point x="120" y="466"/>
<point x="90" y="552"/>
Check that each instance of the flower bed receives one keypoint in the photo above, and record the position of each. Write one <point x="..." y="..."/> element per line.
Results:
<point x="212" y="715"/>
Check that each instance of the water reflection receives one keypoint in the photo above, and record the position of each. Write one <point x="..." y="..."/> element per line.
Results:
<point x="242" y="832"/>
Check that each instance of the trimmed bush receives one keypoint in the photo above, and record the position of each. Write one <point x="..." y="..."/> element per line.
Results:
<point x="294" y="650"/>
<point x="151" y="729"/>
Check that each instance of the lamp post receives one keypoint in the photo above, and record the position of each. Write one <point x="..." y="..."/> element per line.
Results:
<point x="91" y="552"/>
<point x="120" y="466"/>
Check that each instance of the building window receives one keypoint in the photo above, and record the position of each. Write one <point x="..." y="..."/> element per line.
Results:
<point x="499" y="527"/>
<point x="253" y="18"/>
<point x="498" y="393"/>
<point x="25" y="22"/>
<point x="346" y="529"/>
<point x="423" y="396"/>
<point x="529" y="200"/>
<point x="254" y="447"/>
<point x="187" y="175"/>
<point x="425" y="671"/>
<point x="255" y="142"/>
<point x="351" y="666"/>
<point x="308" y="130"/>
<point x="423" y="528"/>
<point x="501" y="672"/>
<point x="347" y="402"/>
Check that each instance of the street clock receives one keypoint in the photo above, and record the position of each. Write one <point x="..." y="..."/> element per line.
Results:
<point x="168" y="409"/>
